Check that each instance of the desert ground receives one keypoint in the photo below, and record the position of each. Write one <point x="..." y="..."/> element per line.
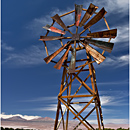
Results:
<point x="49" y="125"/>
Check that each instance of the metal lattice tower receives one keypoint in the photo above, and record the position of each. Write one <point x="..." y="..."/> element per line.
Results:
<point x="71" y="72"/>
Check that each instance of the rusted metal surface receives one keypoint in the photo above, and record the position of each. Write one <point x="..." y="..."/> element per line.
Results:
<point x="96" y="18"/>
<point x="78" y="60"/>
<point x="98" y="57"/>
<point x="76" y="96"/>
<point x="72" y="108"/>
<point x="85" y="106"/>
<point x="107" y="46"/>
<point x="73" y="60"/>
<point x="85" y="118"/>
<point x="60" y="22"/>
<point x="50" y="57"/>
<point x="53" y="29"/>
<point x="46" y="48"/>
<point x="50" y="38"/>
<point x="92" y="8"/>
<point x="106" y="23"/>
<point x="104" y="34"/>
<point x="74" y="114"/>
<point x="78" y="11"/>
<point x="99" y="126"/>
<point x="62" y="59"/>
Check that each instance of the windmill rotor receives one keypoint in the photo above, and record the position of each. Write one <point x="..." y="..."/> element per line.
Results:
<point x="85" y="41"/>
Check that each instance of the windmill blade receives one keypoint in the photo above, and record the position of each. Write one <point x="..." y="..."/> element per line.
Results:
<point x="50" y="57"/>
<point x="92" y="8"/>
<point x="96" y="18"/>
<point x="107" y="46"/>
<point x="49" y="38"/>
<point x="62" y="59"/>
<point x="53" y="29"/>
<point x="98" y="57"/>
<point x="71" y="68"/>
<point x="104" y="34"/>
<point x="78" y="11"/>
<point x="60" y="22"/>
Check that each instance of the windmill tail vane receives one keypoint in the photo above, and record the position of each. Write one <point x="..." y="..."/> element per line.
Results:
<point x="94" y="50"/>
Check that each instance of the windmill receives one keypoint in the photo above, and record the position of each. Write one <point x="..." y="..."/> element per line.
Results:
<point x="73" y="67"/>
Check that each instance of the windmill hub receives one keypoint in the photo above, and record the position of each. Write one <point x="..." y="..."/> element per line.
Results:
<point x="75" y="37"/>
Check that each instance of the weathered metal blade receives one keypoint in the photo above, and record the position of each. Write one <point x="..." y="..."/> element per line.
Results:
<point x="49" y="38"/>
<point x="107" y="46"/>
<point x="50" y="57"/>
<point x="104" y="34"/>
<point x="98" y="57"/>
<point x="96" y="18"/>
<point x="71" y="68"/>
<point x="78" y="11"/>
<point x="53" y="29"/>
<point x="60" y="22"/>
<point x="59" y="63"/>
<point x="92" y="8"/>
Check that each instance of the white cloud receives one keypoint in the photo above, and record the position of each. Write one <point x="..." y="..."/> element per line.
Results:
<point x="6" y="47"/>
<point x="51" y="107"/>
<point x="108" y="121"/>
<point x="114" y="98"/>
<point x="52" y="99"/>
<point x="116" y="62"/>
<point x="116" y="6"/>
<point x="121" y="42"/>
<point x="4" y="116"/>
<point x="33" y="55"/>
<point x="36" y="24"/>
<point x="30" y="56"/>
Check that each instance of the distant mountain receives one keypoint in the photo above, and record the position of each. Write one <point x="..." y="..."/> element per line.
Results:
<point x="15" y="118"/>
<point x="43" y="119"/>
<point x="18" y="118"/>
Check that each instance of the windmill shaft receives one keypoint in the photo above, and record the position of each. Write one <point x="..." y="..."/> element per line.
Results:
<point x="73" y="60"/>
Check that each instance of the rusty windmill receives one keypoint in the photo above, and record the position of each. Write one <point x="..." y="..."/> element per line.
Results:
<point x="71" y="72"/>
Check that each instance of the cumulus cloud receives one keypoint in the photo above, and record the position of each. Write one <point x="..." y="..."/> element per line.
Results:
<point x="37" y="23"/>
<point x="4" y="116"/>
<point x="30" y="56"/>
<point x="52" y="99"/>
<point x="116" y="62"/>
<point x="115" y="121"/>
<point x="116" y="6"/>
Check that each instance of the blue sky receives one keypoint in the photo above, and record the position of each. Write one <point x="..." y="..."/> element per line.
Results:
<point x="30" y="86"/>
